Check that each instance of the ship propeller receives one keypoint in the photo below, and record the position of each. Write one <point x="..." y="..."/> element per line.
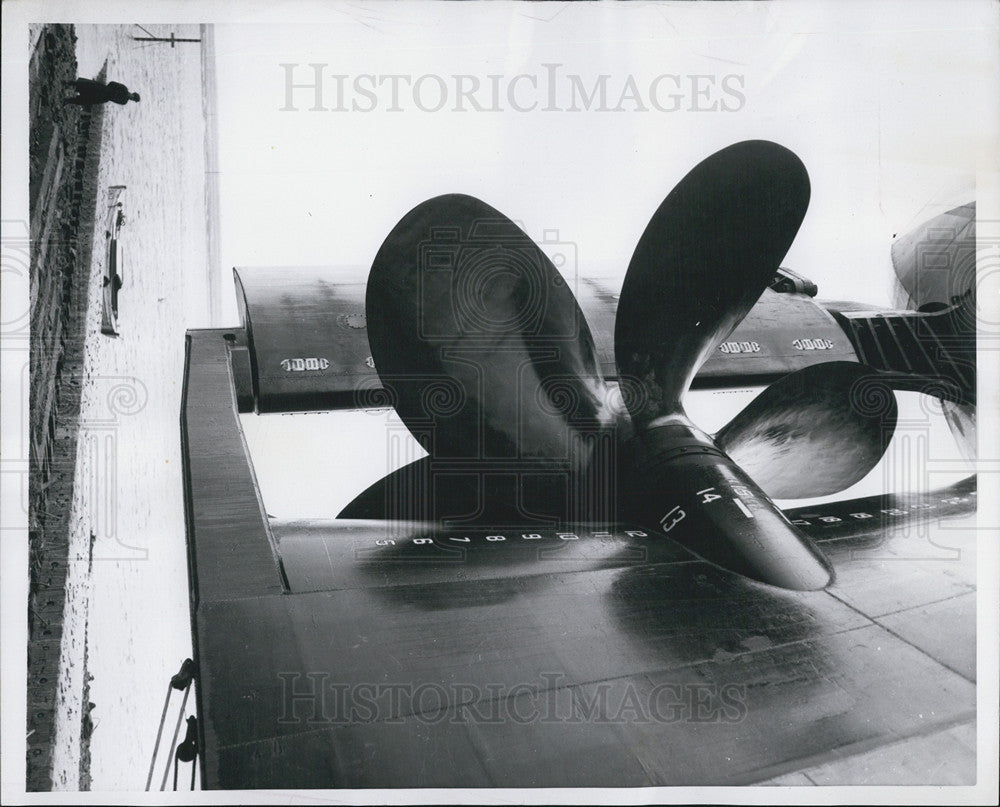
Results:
<point x="490" y="364"/>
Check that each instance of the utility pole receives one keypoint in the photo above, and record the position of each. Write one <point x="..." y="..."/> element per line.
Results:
<point x="173" y="40"/>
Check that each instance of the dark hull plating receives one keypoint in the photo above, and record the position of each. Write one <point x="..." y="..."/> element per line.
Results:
<point x="354" y="654"/>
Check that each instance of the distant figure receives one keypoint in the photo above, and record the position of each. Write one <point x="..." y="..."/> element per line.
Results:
<point x="92" y="92"/>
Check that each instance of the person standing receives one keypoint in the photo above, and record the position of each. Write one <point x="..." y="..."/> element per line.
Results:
<point x="90" y="92"/>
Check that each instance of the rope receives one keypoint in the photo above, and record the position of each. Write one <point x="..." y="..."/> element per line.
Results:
<point x="173" y="742"/>
<point x="180" y="680"/>
<point x="159" y="732"/>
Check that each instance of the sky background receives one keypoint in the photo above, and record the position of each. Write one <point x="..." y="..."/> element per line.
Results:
<point x="876" y="99"/>
<point x="877" y="103"/>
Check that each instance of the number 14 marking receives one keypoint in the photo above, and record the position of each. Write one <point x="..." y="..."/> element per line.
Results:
<point x="707" y="495"/>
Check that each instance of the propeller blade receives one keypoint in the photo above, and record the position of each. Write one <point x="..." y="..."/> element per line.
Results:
<point x="814" y="432"/>
<point x="961" y="419"/>
<point x="926" y="284"/>
<point x="703" y="261"/>
<point x="482" y="345"/>
<point x="946" y="283"/>
<point x="409" y="494"/>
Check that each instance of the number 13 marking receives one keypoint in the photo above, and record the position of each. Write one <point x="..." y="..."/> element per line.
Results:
<point x="668" y="523"/>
